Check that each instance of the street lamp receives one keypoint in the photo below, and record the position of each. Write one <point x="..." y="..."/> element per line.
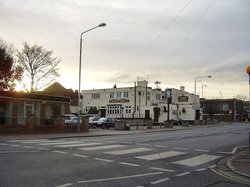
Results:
<point x="220" y="94"/>
<point x="202" y="89"/>
<point x="80" y="64"/>
<point x="209" y="76"/>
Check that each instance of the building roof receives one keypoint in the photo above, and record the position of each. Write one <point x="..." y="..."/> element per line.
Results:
<point x="57" y="89"/>
<point x="34" y="96"/>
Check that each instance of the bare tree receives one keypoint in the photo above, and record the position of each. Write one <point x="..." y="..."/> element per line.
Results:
<point x="40" y="68"/>
<point x="9" y="71"/>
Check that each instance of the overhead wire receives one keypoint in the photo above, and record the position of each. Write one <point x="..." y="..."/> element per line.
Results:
<point x="162" y="32"/>
<point x="190" y="32"/>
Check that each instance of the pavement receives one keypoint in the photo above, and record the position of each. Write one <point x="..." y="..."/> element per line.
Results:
<point x="235" y="166"/>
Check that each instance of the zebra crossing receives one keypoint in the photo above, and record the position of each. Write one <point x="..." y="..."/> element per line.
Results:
<point x="140" y="152"/>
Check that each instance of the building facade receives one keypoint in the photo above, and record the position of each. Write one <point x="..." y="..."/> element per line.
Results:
<point x="139" y="102"/>
<point x="224" y="109"/>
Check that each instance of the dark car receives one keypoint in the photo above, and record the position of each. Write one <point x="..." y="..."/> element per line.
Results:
<point x="176" y="121"/>
<point x="106" y="122"/>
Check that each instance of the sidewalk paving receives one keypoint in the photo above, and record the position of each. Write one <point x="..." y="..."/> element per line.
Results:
<point x="240" y="163"/>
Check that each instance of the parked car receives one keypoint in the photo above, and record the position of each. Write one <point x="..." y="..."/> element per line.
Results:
<point x="93" y="122"/>
<point x="106" y="122"/>
<point x="71" y="119"/>
<point x="176" y="121"/>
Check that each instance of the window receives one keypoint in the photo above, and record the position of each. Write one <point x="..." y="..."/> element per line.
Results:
<point x="114" y="109"/>
<point x="125" y="94"/>
<point x="128" y="109"/>
<point x="95" y="96"/>
<point x="119" y="94"/>
<point x="158" y="97"/>
<point x="112" y="95"/>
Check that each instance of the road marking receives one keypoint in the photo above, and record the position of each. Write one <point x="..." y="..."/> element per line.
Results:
<point x="161" y="155"/>
<point x="14" y="145"/>
<point x="182" y="174"/>
<point x="142" y="144"/>
<point x="82" y="156"/>
<point x="161" y="146"/>
<point x="128" y="151"/>
<point x="22" y="141"/>
<point x="59" y="143"/>
<point x="104" y="160"/>
<point x="78" y="145"/>
<point x="234" y="150"/>
<point x="44" y="149"/>
<point x="202" y="150"/>
<point x="180" y="148"/>
<point x="118" y="178"/>
<point x="129" y="164"/>
<point x="4" y="144"/>
<point x="56" y="151"/>
<point x="65" y="185"/>
<point x="162" y="169"/>
<point x="223" y="152"/>
<point x="201" y="169"/>
<point x="198" y="160"/>
<point x="29" y="147"/>
<point x="160" y="181"/>
<point x="102" y="147"/>
<point x="4" y="152"/>
<point x="213" y="166"/>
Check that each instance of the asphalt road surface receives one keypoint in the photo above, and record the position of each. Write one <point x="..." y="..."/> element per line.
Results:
<point x="176" y="158"/>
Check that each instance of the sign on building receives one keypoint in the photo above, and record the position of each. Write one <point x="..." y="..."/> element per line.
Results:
<point x="183" y="99"/>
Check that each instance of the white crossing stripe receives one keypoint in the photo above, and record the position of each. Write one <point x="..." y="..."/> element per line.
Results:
<point x="161" y="155"/>
<point x="128" y="151"/>
<point x="82" y="156"/>
<point x="128" y="164"/>
<point x="182" y="174"/>
<point x="198" y="160"/>
<point x="160" y="181"/>
<point x="56" y="151"/>
<point x="31" y="141"/>
<point x="78" y="145"/>
<point x="102" y="147"/>
<point x="104" y="160"/>
<point x="60" y="143"/>
<point x="202" y="150"/>
<point x="162" y="169"/>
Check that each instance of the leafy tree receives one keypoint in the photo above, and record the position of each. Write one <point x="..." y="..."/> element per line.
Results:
<point x="40" y="68"/>
<point x="157" y="112"/>
<point x="9" y="72"/>
<point x="93" y="110"/>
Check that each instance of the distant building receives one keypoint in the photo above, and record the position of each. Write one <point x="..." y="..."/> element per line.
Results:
<point x="57" y="89"/>
<point x="224" y="109"/>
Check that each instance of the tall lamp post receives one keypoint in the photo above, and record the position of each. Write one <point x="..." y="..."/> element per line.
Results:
<point x="202" y="89"/>
<point x="80" y="64"/>
<point x="209" y="76"/>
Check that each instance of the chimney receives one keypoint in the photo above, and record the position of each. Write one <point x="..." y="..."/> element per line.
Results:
<point x="182" y="88"/>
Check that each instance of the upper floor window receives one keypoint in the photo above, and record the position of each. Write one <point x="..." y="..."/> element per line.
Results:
<point x="158" y="97"/>
<point x="125" y="94"/>
<point x="112" y="95"/>
<point x="119" y="94"/>
<point x="95" y="96"/>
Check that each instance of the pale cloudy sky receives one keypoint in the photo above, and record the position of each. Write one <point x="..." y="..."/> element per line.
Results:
<point x="171" y="41"/>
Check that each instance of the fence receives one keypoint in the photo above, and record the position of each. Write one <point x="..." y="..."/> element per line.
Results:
<point x="32" y="125"/>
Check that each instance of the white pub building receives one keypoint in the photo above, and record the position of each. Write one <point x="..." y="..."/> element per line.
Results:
<point x="139" y="101"/>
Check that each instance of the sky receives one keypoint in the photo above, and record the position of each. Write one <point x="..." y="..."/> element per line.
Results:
<point x="171" y="41"/>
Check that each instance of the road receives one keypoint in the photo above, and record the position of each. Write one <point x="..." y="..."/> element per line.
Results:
<point x="176" y="158"/>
